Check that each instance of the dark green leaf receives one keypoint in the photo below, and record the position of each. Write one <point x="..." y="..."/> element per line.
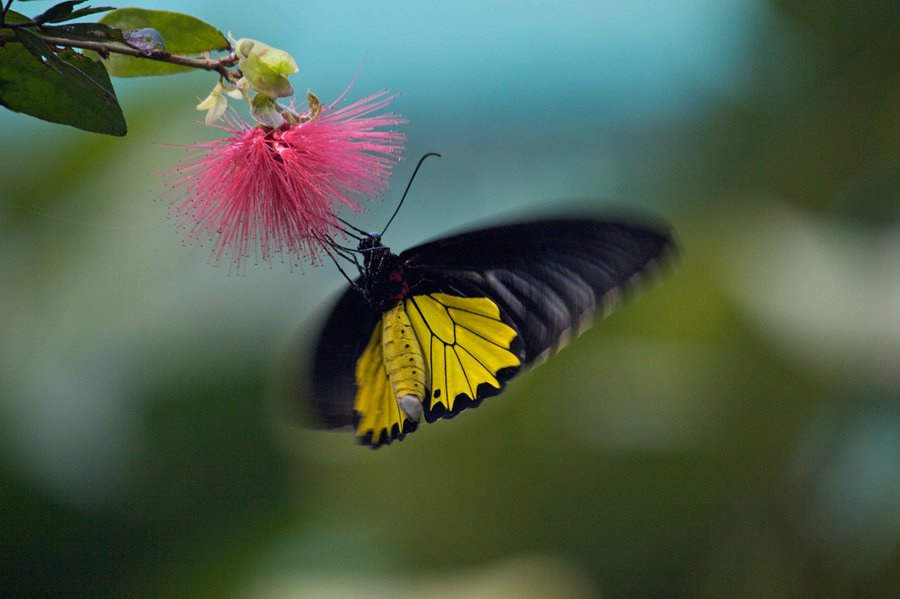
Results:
<point x="39" y="49"/>
<point x="60" y="12"/>
<point x="89" y="32"/>
<point x="14" y="17"/>
<point x="144" y="39"/>
<point x="70" y="88"/>
<point x="89" y="10"/>
<point x="183" y="35"/>
<point x="64" y="11"/>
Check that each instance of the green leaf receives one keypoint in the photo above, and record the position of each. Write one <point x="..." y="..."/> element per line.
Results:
<point x="15" y="17"/>
<point x="89" y="10"/>
<point x="70" y="89"/>
<point x="64" y="11"/>
<point x="86" y="32"/>
<point x="60" y="12"/>
<point x="38" y="49"/>
<point x="183" y="35"/>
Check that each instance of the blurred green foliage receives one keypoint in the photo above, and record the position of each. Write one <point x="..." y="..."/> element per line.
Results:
<point x="733" y="433"/>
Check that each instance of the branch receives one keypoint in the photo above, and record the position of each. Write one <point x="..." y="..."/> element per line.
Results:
<point x="23" y="24"/>
<point x="220" y="65"/>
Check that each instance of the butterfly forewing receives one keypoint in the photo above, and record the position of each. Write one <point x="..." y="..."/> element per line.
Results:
<point x="341" y="343"/>
<point x="550" y="276"/>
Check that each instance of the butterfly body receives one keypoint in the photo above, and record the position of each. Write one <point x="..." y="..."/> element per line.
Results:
<point x="381" y="281"/>
<point x="440" y="327"/>
<point x="404" y="361"/>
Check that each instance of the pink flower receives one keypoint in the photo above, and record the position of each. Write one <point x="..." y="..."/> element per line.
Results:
<point x="265" y="191"/>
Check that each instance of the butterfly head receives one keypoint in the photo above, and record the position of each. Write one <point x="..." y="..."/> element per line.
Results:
<point x="369" y="242"/>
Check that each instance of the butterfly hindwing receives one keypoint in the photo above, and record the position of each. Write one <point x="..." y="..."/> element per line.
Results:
<point x="469" y="351"/>
<point x="379" y="420"/>
<point x="471" y="347"/>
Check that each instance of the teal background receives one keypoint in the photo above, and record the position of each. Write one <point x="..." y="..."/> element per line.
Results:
<point x="733" y="433"/>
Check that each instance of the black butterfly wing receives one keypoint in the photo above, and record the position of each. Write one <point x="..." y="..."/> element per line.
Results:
<point x="341" y="343"/>
<point x="482" y="305"/>
<point x="549" y="276"/>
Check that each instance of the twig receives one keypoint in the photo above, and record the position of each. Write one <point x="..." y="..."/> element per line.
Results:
<point x="3" y="14"/>
<point x="220" y="65"/>
<point x="23" y="24"/>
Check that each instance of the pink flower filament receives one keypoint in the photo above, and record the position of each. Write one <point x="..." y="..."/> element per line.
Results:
<point x="263" y="192"/>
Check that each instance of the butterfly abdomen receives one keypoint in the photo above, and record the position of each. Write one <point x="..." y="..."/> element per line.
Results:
<point x="404" y="361"/>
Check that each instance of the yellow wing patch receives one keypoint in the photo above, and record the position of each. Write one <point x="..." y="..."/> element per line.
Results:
<point x="379" y="414"/>
<point x="460" y="344"/>
<point x="465" y="344"/>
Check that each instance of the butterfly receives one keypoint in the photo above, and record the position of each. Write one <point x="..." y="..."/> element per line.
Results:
<point x="442" y="326"/>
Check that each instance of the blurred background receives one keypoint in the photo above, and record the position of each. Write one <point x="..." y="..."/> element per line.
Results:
<point x="733" y="433"/>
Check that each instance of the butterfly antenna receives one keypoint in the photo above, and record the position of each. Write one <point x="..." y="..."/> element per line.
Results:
<point x="408" y="185"/>
<point x="346" y="224"/>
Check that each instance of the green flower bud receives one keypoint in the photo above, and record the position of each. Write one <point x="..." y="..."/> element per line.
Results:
<point x="265" y="111"/>
<point x="265" y="68"/>
<point x="278" y="60"/>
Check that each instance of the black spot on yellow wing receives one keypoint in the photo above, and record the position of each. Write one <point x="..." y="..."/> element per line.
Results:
<point x="470" y="352"/>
